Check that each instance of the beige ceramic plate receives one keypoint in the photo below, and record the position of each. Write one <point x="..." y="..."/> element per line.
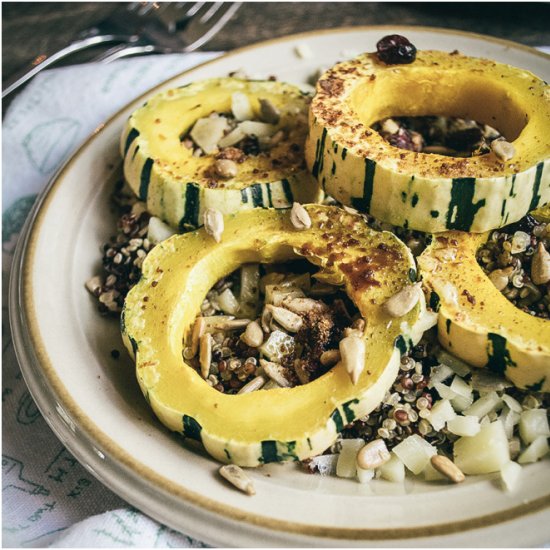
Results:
<point x="93" y="403"/>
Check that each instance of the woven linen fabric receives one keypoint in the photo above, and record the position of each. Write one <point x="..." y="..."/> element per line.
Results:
<point x="48" y="498"/>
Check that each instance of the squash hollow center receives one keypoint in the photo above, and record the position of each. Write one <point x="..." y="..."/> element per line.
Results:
<point x="270" y="326"/>
<point x="425" y="92"/>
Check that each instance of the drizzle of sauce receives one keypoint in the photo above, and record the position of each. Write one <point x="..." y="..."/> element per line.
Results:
<point x="361" y="272"/>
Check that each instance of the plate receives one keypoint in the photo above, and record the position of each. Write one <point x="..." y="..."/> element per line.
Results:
<point x="93" y="403"/>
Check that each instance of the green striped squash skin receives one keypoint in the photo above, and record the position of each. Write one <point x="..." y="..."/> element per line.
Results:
<point x="180" y="199"/>
<point x="431" y="205"/>
<point x="290" y="423"/>
<point x="525" y="368"/>
<point x="487" y="331"/>
<point x="430" y="192"/>
<point x="252" y="454"/>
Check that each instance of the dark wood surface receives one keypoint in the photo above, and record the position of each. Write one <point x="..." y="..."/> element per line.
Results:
<point x="32" y="28"/>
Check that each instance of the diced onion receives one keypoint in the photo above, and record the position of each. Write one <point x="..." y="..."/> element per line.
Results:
<point x="440" y="373"/>
<point x="393" y="470"/>
<point x="464" y="425"/>
<point x="232" y="138"/>
<point x="325" y="464"/>
<point x="512" y="403"/>
<point x="461" y="388"/>
<point x="509" y="418"/>
<point x="347" y="461"/>
<point x="535" y="451"/>
<point x="532" y="424"/>
<point x="441" y="413"/>
<point x="258" y="129"/>
<point x="458" y="366"/>
<point x="461" y="403"/>
<point x="444" y="391"/>
<point x="415" y="453"/>
<point x="510" y="474"/>
<point x="483" y="453"/>
<point x="364" y="476"/>
<point x="240" y="106"/>
<point x="207" y="132"/>
<point x="484" y="405"/>
<point x="159" y="231"/>
<point x="228" y="302"/>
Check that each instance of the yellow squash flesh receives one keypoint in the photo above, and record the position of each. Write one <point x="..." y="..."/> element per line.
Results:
<point x="476" y="321"/>
<point x="431" y="192"/>
<point x="179" y="187"/>
<point x="278" y="424"/>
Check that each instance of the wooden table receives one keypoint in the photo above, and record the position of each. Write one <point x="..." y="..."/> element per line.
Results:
<point x="33" y="28"/>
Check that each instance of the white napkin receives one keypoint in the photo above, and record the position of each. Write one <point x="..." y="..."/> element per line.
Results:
<point x="48" y="498"/>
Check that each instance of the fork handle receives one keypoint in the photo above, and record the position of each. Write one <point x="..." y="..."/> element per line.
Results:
<point x="124" y="50"/>
<point x="23" y="75"/>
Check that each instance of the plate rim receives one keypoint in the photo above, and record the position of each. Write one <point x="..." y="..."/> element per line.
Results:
<point x="36" y="365"/>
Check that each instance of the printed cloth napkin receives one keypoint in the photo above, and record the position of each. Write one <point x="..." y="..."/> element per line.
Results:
<point x="48" y="498"/>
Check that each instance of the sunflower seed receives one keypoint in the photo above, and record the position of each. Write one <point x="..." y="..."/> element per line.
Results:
<point x="231" y="324"/>
<point x="352" y="351"/>
<point x="303" y="305"/>
<point x="266" y="319"/>
<point x="236" y="476"/>
<point x="198" y="330"/>
<point x="299" y="217"/>
<point x="448" y="468"/>
<point x="94" y="285"/>
<point x="253" y="385"/>
<point x="501" y="277"/>
<point x="330" y="357"/>
<point x="373" y="455"/>
<point x="275" y="372"/>
<point x="302" y="374"/>
<point x="503" y="149"/>
<point x="253" y="335"/>
<point x="403" y="301"/>
<point x="287" y="319"/>
<point x="205" y="354"/>
<point x="213" y="223"/>
<point x="540" y="266"/>
<point x="226" y="168"/>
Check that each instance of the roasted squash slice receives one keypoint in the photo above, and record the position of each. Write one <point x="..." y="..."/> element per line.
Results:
<point x="277" y="424"/>
<point x="178" y="187"/>
<point x="476" y="322"/>
<point x="431" y="192"/>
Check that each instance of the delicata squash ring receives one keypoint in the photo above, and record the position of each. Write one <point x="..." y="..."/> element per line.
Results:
<point x="178" y="187"/>
<point x="476" y="321"/>
<point x="284" y="423"/>
<point x="431" y="192"/>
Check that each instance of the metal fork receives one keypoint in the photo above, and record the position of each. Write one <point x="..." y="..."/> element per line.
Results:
<point x="121" y="26"/>
<point x="206" y="20"/>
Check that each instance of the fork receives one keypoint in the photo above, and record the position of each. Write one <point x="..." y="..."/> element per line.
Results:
<point x="121" y="26"/>
<point x="206" y="19"/>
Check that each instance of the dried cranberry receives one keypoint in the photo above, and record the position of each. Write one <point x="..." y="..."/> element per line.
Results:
<point x="402" y="140"/>
<point x="395" y="49"/>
